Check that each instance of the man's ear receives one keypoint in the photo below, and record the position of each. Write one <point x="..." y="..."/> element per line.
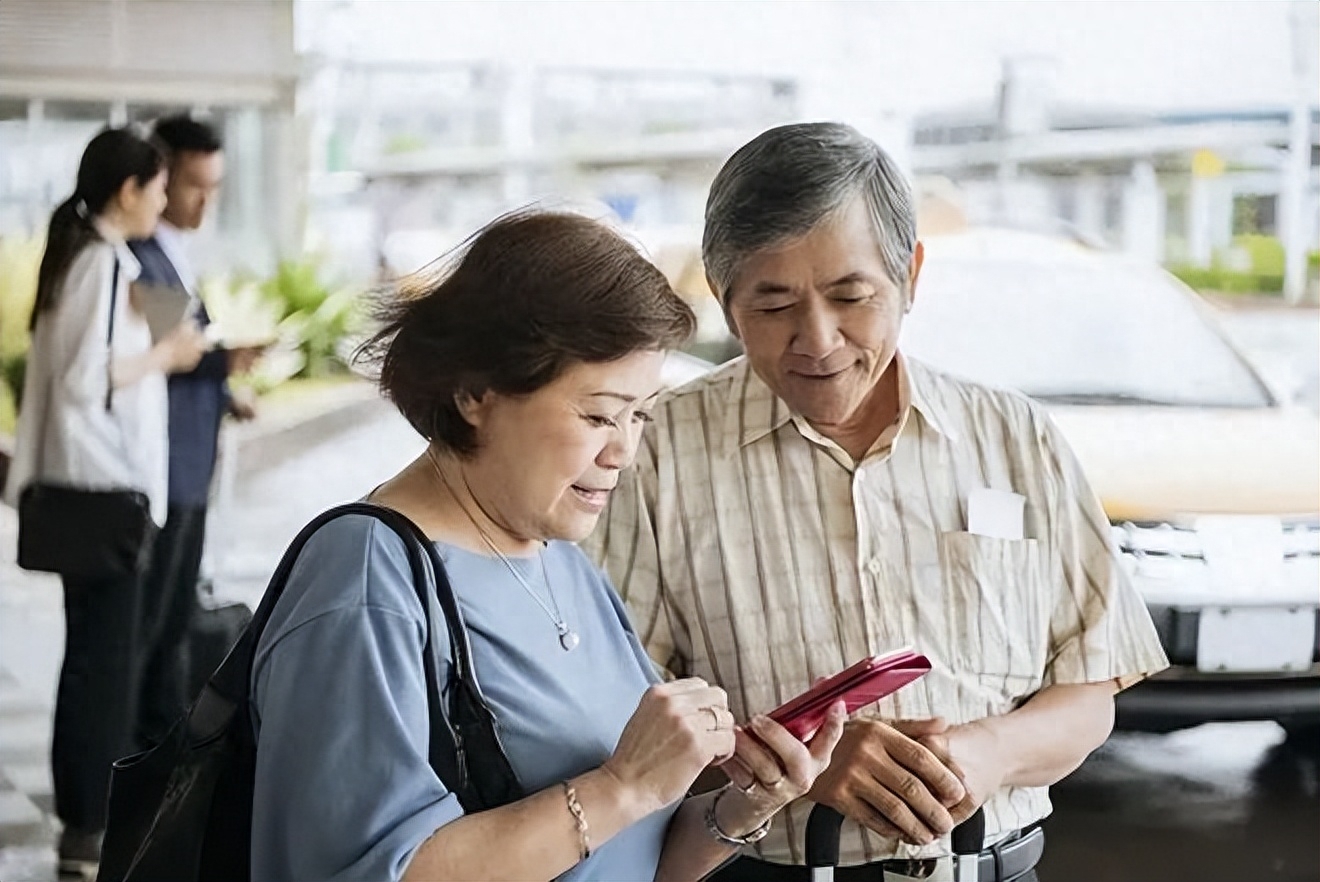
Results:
<point x="724" y="307"/>
<point x="914" y="272"/>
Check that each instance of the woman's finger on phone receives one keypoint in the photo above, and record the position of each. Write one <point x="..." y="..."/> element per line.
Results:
<point x="822" y="744"/>
<point x="758" y="759"/>
<point x="738" y="773"/>
<point x="800" y="767"/>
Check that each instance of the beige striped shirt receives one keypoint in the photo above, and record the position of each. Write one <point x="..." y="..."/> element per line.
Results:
<point x="755" y="553"/>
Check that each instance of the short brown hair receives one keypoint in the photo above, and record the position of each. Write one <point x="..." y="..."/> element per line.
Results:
<point x="528" y="295"/>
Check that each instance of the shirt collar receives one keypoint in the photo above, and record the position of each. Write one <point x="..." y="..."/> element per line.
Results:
<point x="128" y="262"/>
<point x="927" y="401"/>
<point x="757" y="411"/>
<point x="168" y="232"/>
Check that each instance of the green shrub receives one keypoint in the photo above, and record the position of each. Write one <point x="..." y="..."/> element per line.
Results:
<point x="1228" y="281"/>
<point x="1265" y="253"/>
<point x="19" y="259"/>
<point x="318" y="313"/>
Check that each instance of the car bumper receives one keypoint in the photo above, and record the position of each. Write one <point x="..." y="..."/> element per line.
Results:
<point x="1182" y="697"/>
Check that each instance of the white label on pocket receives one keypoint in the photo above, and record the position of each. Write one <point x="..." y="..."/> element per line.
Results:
<point x="997" y="514"/>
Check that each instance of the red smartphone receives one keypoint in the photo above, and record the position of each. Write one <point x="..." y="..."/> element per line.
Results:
<point x="866" y="682"/>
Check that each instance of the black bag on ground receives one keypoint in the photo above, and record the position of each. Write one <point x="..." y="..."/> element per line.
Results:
<point x="182" y="812"/>
<point x="81" y="532"/>
<point x="215" y="629"/>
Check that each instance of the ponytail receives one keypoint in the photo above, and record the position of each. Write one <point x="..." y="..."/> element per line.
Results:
<point x="111" y="158"/>
<point x="70" y="231"/>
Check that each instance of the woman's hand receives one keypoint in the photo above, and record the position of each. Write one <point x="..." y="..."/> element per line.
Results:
<point x="678" y="730"/>
<point x="181" y="348"/>
<point x="774" y="768"/>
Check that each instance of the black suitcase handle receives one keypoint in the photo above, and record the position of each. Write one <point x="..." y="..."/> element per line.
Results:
<point x="824" y="823"/>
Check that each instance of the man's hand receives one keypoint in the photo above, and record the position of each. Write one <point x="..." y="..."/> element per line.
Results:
<point x="882" y="777"/>
<point x="973" y="752"/>
<point x="241" y="359"/>
<point x="242" y="404"/>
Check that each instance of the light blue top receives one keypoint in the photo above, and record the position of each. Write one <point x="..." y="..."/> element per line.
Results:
<point x="343" y="787"/>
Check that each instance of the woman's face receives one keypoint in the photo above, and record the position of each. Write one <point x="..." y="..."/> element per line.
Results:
<point x="548" y="461"/>
<point x="140" y="206"/>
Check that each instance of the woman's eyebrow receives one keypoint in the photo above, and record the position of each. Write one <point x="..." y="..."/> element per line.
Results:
<point x="626" y="399"/>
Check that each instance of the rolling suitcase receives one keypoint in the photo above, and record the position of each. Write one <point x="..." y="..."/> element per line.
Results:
<point x="822" y="845"/>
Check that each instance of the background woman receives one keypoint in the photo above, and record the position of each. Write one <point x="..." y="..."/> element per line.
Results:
<point x="67" y="435"/>
<point x="530" y="368"/>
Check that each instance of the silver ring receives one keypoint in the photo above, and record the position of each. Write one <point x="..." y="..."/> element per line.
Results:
<point x="714" y="716"/>
<point x="747" y="791"/>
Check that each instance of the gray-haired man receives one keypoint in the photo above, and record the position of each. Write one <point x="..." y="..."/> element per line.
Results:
<point x="819" y="500"/>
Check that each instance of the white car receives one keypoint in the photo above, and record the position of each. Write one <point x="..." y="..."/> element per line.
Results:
<point x="1211" y="482"/>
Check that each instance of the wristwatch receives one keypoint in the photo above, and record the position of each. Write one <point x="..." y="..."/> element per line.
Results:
<point x="713" y="826"/>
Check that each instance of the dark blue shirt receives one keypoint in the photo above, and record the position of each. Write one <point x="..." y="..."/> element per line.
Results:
<point x="198" y="398"/>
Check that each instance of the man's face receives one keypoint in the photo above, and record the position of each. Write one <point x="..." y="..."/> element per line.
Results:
<point x="194" y="181"/>
<point x="819" y="317"/>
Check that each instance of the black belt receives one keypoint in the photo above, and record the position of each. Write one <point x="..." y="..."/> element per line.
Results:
<point x="1002" y="862"/>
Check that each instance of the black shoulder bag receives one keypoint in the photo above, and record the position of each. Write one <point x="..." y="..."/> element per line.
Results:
<point x="182" y="812"/>
<point x="84" y="533"/>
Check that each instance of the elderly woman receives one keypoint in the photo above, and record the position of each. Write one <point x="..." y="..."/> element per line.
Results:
<point x="530" y="367"/>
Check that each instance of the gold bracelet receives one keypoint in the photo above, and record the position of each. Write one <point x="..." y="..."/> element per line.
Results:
<point x="580" y="819"/>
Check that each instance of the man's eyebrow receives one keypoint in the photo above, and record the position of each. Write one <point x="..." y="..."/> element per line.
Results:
<point x="850" y="279"/>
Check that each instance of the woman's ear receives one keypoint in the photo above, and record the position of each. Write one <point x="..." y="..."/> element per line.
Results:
<point x="472" y="407"/>
<point x="127" y="196"/>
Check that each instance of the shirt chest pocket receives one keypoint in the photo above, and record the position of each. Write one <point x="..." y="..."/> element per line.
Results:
<point x="999" y="606"/>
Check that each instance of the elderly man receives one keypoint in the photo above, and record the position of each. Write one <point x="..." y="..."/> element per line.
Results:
<point x="825" y="498"/>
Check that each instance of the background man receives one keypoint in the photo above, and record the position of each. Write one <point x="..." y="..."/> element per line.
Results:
<point x="199" y="399"/>
<point x="824" y="498"/>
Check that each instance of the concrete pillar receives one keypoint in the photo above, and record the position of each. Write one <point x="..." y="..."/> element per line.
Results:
<point x="1200" y="246"/>
<point x="518" y="133"/>
<point x="1143" y="214"/>
<point x="1090" y="205"/>
<point x="1295" y="225"/>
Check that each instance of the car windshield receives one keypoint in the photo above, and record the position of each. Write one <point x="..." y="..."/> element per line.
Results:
<point x="1072" y="333"/>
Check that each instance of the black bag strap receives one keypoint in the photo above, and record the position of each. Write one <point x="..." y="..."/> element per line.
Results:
<point x="110" y="338"/>
<point x="449" y="752"/>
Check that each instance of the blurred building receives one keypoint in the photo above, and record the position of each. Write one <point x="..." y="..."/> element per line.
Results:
<point x="415" y="156"/>
<point x="1169" y="187"/>
<point x="69" y="67"/>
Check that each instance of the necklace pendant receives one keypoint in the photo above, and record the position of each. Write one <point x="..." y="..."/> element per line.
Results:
<point x="568" y="639"/>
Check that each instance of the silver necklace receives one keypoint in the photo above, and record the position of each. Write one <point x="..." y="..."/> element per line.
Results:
<point x="568" y="638"/>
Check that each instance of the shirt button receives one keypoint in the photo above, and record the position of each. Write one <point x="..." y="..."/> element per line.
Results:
<point x="873" y="565"/>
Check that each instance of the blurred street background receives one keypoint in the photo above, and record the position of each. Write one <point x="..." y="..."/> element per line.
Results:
<point x="1174" y="146"/>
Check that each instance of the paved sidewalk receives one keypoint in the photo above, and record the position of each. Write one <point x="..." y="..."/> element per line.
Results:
<point x="32" y="623"/>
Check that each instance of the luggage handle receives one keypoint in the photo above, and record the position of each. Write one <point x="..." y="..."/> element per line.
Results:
<point x="822" y="845"/>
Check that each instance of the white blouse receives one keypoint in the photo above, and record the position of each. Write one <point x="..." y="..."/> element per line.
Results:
<point x="65" y="434"/>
